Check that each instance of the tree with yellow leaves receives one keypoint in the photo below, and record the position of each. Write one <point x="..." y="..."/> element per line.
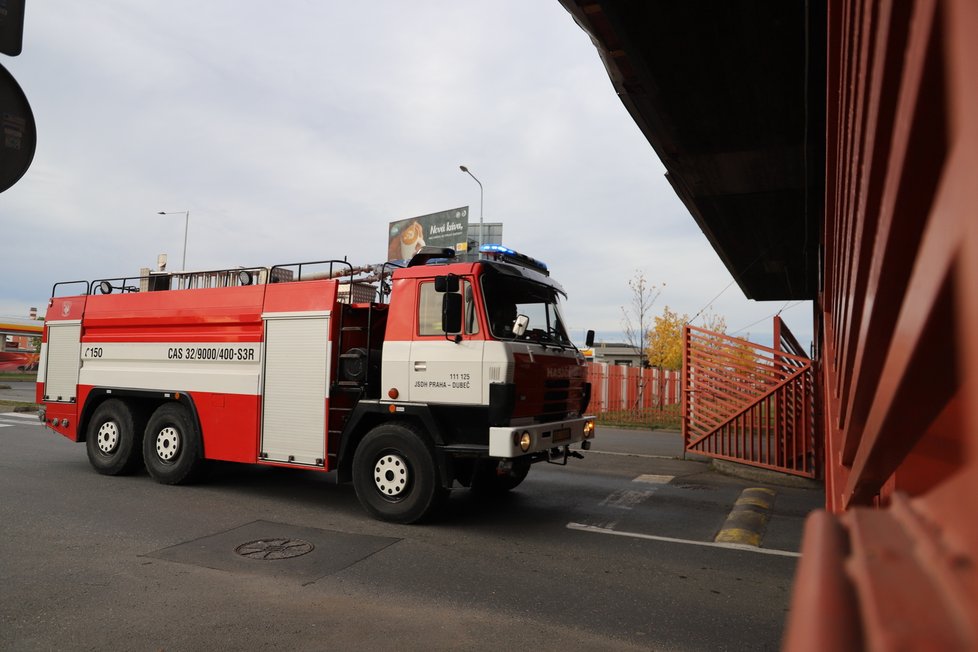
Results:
<point x="665" y="343"/>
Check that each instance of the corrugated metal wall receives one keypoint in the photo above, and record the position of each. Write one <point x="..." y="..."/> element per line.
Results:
<point x="897" y="568"/>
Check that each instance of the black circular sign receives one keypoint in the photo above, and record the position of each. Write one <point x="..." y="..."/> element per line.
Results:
<point x="18" y="133"/>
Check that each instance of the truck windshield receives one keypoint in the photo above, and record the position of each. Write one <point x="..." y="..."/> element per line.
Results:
<point x="506" y="297"/>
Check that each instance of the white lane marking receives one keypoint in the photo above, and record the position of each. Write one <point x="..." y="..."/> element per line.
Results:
<point x="21" y="420"/>
<point x="654" y="479"/>
<point x="708" y="544"/>
<point x="18" y="415"/>
<point x="626" y="498"/>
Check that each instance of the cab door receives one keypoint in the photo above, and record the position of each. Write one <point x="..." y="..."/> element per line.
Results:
<point x="446" y="368"/>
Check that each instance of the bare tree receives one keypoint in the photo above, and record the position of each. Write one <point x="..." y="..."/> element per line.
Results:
<point x="636" y="318"/>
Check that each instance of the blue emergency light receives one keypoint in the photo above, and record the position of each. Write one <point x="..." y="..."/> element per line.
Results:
<point x="505" y="254"/>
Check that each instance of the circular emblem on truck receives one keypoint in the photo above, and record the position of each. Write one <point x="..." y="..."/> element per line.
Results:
<point x="271" y="549"/>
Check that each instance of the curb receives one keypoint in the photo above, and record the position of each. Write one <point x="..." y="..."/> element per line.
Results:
<point x="755" y="474"/>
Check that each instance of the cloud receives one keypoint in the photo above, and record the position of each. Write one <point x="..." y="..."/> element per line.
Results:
<point x="297" y="130"/>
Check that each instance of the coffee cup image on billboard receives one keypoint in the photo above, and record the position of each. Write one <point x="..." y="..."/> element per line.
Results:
<point x="407" y="242"/>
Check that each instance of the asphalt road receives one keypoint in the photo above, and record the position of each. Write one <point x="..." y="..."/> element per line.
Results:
<point x="609" y="553"/>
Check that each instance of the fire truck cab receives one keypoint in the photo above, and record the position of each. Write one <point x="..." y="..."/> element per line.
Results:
<point x="445" y="373"/>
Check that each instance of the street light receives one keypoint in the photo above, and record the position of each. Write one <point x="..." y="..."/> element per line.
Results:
<point x="186" y="226"/>
<point x="482" y="239"/>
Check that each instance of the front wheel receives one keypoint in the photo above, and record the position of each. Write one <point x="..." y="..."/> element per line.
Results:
<point x="395" y="474"/>
<point x="171" y="445"/>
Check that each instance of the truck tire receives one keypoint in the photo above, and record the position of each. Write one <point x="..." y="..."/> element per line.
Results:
<point x="395" y="474"/>
<point x="488" y="481"/>
<point x="113" y="441"/>
<point x="171" y="445"/>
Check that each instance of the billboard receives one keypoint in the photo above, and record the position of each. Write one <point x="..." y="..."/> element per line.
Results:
<point x="443" y="229"/>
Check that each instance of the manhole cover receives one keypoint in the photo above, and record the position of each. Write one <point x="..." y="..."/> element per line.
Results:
<point x="269" y="549"/>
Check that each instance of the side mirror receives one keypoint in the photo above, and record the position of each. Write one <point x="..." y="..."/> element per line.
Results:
<point x="589" y="339"/>
<point x="448" y="283"/>
<point x="519" y="326"/>
<point x="451" y="312"/>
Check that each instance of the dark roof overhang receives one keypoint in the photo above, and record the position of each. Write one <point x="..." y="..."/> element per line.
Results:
<point x="731" y="96"/>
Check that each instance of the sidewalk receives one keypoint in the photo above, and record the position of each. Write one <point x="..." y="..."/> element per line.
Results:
<point x="652" y="443"/>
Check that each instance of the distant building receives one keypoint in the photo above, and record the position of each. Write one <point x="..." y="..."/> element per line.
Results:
<point x="493" y="233"/>
<point x="617" y="353"/>
<point x="469" y="250"/>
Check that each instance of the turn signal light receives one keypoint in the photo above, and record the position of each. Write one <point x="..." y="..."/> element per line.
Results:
<point x="588" y="429"/>
<point x="525" y="441"/>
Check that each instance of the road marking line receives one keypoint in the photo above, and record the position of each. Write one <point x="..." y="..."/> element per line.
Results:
<point x="707" y="544"/>
<point x="654" y="479"/>
<point x="18" y="422"/>
<point x="6" y="425"/>
<point x="18" y="415"/>
<point x="742" y="536"/>
<point x="626" y="498"/>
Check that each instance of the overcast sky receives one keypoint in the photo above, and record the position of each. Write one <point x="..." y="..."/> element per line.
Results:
<point x="297" y="130"/>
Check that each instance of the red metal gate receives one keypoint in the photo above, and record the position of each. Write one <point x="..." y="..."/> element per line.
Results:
<point x="749" y="403"/>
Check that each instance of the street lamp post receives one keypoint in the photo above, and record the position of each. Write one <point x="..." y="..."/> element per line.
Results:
<point x="186" y="227"/>
<point x="482" y="235"/>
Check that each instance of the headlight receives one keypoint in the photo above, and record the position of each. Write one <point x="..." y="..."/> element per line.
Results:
<point x="588" y="429"/>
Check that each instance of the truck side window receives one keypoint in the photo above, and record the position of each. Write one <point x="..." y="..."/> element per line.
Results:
<point x="471" y="316"/>
<point x="429" y="310"/>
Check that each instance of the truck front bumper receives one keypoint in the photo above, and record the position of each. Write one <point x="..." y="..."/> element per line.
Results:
<point x="516" y="441"/>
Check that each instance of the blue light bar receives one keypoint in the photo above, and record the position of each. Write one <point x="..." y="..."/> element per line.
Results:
<point x="499" y="252"/>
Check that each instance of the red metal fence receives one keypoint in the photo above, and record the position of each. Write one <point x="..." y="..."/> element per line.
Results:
<point x="634" y="395"/>
<point x="749" y="403"/>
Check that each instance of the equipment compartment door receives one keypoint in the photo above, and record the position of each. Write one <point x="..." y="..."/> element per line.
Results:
<point x="295" y="390"/>
<point x="63" y="360"/>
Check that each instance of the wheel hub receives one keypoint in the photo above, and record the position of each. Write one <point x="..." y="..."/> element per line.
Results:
<point x="391" y="475"/>
<point x="108" y="437"/>
<point x="168" y="443"/>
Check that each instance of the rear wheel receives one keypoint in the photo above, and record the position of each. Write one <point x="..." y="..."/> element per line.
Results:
<point x="171" y="445"/>
<point x="395" y="474"/>
<point x="112" y="440"/>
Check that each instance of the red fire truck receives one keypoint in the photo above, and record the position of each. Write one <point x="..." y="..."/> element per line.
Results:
<point x="446" y="372"/>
